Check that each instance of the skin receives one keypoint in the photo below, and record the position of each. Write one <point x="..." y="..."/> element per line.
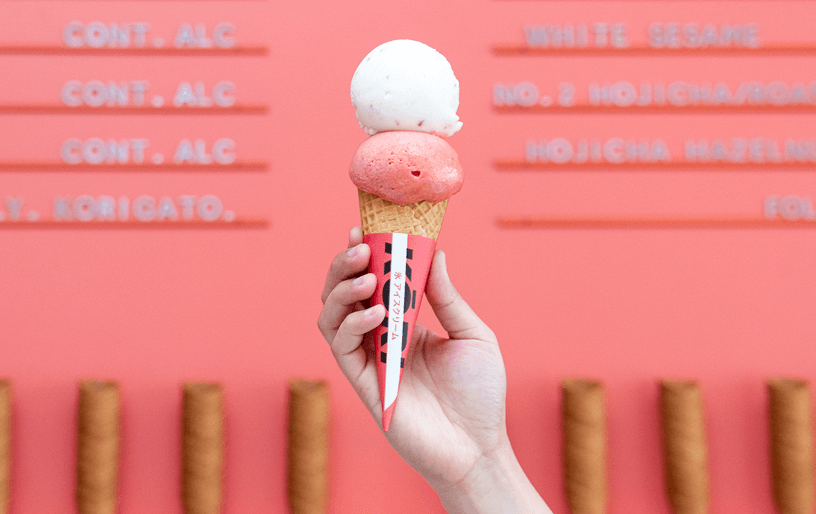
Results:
<point x="449" y="424"/>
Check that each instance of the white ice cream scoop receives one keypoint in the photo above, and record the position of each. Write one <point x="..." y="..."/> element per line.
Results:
<point x="406" y="85"/>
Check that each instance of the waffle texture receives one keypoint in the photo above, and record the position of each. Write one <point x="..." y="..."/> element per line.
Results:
<point x="419" y="219"/>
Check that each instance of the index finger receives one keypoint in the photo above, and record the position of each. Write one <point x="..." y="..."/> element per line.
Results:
<point x="347" y="263"/>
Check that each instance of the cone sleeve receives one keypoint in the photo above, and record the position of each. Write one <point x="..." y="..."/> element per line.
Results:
<point x="401" y="263"/>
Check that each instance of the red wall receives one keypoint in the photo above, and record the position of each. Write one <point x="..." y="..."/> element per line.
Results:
<point x="729" y="303"/>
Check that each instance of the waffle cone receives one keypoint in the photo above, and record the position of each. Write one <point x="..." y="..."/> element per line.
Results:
<point x="419" y="219"/>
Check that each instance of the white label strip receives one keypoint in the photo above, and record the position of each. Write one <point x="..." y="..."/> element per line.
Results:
<point x="396" y="310"/>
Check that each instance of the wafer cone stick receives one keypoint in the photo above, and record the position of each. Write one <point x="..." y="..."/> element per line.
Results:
<point x="308" y="477"/>
<point x="97" y="447"/>
<point x="202" y="458"/>
<point x="402" y="239"/>
<point x="5" y="445"/>
<point x="584" y="446"/>
<point x="684" y="446"/>
<point x="791" y="446"/>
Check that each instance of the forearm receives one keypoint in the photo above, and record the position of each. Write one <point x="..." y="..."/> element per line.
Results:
<point x="496" y="485"/>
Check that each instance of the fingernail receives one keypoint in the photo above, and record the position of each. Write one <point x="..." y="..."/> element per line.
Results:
<point x="360" y="280"/>
<point x="354" y="251"/>
<point x="371" y="311"/>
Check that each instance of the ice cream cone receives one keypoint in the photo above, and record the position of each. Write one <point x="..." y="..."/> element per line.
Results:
<point x="406" y="96"/>
<point x="402" y="239"/>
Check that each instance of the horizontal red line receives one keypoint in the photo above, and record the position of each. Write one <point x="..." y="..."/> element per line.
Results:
<point x="61" y="166"/>
<point x="240" y="223"/>
<point x="520" y="165"/>
<point x="233" y="1"/>
<point x="122" y="1"/>
<point x="545" y="1"/>
<point x="514" y="222"/>
<point x="657" y="109"/>
<point x="647" y="50"/>
<point x="164" y="110"/>
<point x="186" y="52"/>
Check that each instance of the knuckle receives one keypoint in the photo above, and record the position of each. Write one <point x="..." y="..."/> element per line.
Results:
<point x="336" y="267"/>
<point x="339" y="296"/>
<point x="331" y="298"/>
<point x="340" y="262"/>
<point x="339" y="337"/>
<point x="351" y="322"/>
<point x="321" y="324"/>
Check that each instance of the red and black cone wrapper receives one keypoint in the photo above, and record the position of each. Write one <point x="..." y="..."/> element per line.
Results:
<point x="401" y="263"/>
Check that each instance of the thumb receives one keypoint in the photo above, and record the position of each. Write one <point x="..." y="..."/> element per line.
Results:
<point x="455" y="315"/>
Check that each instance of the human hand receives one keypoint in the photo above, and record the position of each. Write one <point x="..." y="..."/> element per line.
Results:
<point x="449" y="422"/>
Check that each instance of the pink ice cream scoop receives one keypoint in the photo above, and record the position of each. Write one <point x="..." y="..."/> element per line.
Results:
<point x="407" y="167"/>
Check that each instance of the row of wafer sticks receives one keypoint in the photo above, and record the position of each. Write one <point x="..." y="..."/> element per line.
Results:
<point x="202" y="447"/>
<point x="584" y="429"/>
<point x="684" y="446"/>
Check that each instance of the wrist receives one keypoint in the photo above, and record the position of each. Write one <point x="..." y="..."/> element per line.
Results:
<point x="495" y="484"/>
